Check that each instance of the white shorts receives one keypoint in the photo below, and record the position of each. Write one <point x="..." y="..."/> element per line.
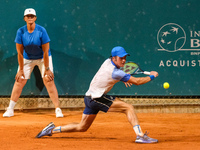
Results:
<point x="30" y="64"/>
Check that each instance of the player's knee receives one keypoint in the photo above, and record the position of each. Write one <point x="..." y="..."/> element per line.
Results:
<point x="129" y="107"/>
<point x="47" y="82"/>
<point x="21" y="83"/>
<point x="83" y="129"/>
<point x="50" y="85"/>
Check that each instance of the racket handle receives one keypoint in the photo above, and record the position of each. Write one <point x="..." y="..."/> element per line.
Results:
<point x="147" y="72"/>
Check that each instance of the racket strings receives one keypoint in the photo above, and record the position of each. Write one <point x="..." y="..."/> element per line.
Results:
<point x="130" y="68"/>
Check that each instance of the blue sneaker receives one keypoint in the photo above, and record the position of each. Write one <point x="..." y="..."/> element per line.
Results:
<point x="46" y="131"/>
<point x="145" y="139"/>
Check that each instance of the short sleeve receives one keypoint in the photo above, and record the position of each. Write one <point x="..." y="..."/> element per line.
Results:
<point x="120" y="75"/>
<point x="126" y="78"/>
<point x="45" y="37"/>
<point x="18" y="38"/>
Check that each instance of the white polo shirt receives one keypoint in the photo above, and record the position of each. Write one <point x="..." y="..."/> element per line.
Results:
<point x="106" y="77"/>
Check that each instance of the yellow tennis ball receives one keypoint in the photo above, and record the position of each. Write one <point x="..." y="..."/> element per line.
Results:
<point x="166" y="85"/>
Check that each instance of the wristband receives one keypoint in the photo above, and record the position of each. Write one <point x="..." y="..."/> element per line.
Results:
<point x="152" y="77"/>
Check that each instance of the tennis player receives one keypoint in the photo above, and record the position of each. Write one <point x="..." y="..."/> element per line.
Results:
<point x="96" y="98"/>
<point x="32" y="44"/>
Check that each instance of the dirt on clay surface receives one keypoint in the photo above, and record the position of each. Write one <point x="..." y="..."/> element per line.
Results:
<point x="110" y="131"/>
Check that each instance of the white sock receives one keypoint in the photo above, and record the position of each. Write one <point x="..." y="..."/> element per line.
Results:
<point x="57" y="129"/>
<point x="138" y="130"/>
<point x="12" y="104"/>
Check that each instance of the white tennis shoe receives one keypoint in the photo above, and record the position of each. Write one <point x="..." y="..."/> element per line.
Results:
<point x="58" y="112"/>
<point x="9" y="112"/>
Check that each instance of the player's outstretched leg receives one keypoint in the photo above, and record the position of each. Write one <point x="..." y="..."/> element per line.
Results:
<point x="145" y="139"/>
<point x="46" y="131"/>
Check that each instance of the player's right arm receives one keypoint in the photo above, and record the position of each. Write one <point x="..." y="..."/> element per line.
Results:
<point x="142" y="80"/>
<point x="20" y="50"/>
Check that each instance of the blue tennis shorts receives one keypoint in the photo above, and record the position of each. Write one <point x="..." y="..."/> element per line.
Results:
<point x="93" y="106"/>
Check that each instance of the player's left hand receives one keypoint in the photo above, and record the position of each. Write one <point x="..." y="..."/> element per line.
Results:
<point x="19" y="76"/>
<point x="128" y="84"/>
<point x="48" y="75"/>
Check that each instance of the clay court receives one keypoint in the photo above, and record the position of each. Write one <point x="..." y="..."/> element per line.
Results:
<point x="109" y="131"/>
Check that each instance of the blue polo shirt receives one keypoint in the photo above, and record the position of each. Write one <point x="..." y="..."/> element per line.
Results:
<point x="32" y="42"/>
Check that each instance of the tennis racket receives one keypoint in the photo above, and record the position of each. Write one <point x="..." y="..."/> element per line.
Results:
<point x="133" y="68"/>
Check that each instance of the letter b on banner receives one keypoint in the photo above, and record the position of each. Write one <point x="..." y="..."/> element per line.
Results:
<point x="195" y="43"/>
